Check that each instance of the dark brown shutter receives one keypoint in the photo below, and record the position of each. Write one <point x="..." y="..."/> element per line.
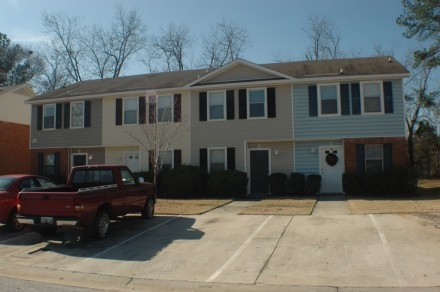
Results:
<point x="177" y="157"/>
<point x="204" y="159"/>
<point x="355" y="99"/>
<point x="313" y="101"/>
<point x="87" y="114"/>
<point x="388" y="97"/>
<point x="360" y="158"/>
<point x="203" y="103"/>
<point x="118" y="112"/>
<point x="39" y="117"/>
<point x="230" y="107"/>
<point x="142" y="110"/>
<point x="59" y="115"/>
<point x="177" y="108"/>
<point x="40" y="164"/>
<point x="231" y="158"/>
<point x="152" y="109"/>
<point x="345" y="99"/>
<point x="67" y="115"/>
<point x="387" y="156"/>
<point x="242" y="104"/>
<point x="271" y="103"/>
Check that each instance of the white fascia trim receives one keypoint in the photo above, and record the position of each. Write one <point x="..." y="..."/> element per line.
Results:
<point x="340" y="78"/>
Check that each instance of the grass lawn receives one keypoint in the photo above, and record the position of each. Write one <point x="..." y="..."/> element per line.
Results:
<point x="281" y="206"/>
<point x="188" y="206"/>
<point x="427" y="200"/>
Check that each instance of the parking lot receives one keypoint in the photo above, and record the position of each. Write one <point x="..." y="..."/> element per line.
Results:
<point x="221" y="250"/>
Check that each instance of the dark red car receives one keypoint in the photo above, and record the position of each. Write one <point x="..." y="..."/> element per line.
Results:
<point x="10" y="186"/>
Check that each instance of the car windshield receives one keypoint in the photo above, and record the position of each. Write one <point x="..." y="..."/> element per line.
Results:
<point x="5" y="182"/>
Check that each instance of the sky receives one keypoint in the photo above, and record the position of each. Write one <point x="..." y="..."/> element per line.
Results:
<point x="274" y="27"/>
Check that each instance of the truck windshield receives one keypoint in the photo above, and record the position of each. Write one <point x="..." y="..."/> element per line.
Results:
<point x="93" y="177"/>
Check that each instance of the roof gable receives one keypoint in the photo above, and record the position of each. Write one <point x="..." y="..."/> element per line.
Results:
<point x="239" y="71"/>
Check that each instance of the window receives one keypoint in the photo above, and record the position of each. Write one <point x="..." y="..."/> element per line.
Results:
<point x="373" y="158"/>
<point x="49" y="116"/>
<point x="328" y="97"/>
<point x="165" y="108"/>
<point x="77" y="114"/>
<point x="49" y="165"/>
<point x="127" y="178"/>
<point x="216" y="105"/>
<point x="257" y="103"/>
<point x="130" y="111"/>
<point x="372" y="97"/>
<point x="166" y="157"/>
<point x="217" y="159"/>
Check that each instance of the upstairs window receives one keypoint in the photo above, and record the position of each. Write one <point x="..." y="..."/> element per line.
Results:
<point x="77" y="114"/>
<point x="49" y="116"/>
<point x="372" y="98"/>
<point x="216" y="105"/>
<point x="130" y="110"/>
<point x="328" y="99"/>
<point x="257" y="103"/>
<point x="165" y="108"/>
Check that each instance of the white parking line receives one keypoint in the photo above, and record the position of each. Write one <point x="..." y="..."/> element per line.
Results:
<point x="384" y="240"/>
<point x="238" y="252"/>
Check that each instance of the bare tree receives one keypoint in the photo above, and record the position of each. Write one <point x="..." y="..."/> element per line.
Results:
<point x="325" y="40"/>
<point x="226" y="42"/>
<point x="171" y="46"/>
<point x="160" y="131"/>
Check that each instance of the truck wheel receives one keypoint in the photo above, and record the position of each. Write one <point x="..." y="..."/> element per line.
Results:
<point x="47" y="230"/>
<point x="101" y="225"/>
<point x="148" y="211"/>
<point x="12" y="224"/>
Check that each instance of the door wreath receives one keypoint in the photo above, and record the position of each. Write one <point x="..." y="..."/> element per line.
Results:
<point x="331" y="159"/>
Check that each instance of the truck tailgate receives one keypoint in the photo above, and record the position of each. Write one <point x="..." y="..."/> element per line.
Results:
<point x="47" y="203"/>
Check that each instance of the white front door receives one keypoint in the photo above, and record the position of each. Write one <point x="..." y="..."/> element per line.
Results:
<point x="132" y="161"/>
<point x="332" y="168"/>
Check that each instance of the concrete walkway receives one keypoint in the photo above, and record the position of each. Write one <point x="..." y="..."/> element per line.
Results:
<point x="331" y="205"/>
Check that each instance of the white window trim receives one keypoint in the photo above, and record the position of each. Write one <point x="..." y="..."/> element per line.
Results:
<point x="172" y="108"/>
<point x="382" y="103"/>
<point x="137" y="110"/>
<point x="80" y="154"/>
<point x="209" y="157"/>
<point x="338" y="100"/>
<point x="54" y="116"/>
<point x="224" y="105"/>
<point x="248" y="103"/>
<point x="71" y="114"/>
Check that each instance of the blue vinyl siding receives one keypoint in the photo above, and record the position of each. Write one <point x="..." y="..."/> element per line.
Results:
<point x="347" y="126"/>
<point x="306" y="160"/>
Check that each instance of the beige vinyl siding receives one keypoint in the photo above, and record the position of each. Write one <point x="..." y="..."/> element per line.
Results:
<point x="94" y="155"/>
<point x="13" y="109"/>
<point x="239" y="72"/>
<point x="234" y="133"/>
<point x="69" y="137"/>
<point x="121" y="136"/>
<point x="283" y="162"/>
<point x="348" y="126"/>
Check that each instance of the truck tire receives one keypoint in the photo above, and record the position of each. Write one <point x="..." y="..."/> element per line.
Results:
<point x="101" y="225"/>
<point x="12" y="223"/>
<point x="47" y="230"/>
<point x="148" y="211"/>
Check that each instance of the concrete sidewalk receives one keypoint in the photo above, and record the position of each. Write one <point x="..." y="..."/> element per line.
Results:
<point x="331" y="205"/>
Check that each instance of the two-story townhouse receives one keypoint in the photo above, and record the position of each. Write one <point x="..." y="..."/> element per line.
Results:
<point x="321" y="117"/>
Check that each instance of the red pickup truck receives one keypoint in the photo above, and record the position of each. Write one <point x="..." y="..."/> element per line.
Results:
<point x="93" y="196"/>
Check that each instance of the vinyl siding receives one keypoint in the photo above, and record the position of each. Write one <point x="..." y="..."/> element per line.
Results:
<point x="239" y="72"/>
<point x="95" y="155"/>
<point x="233" y="133"/>
<point x="306" y="159"/>
<point x="69" y="137"/>
<point x="349" y="126"/>
<point x="122" y="136"/>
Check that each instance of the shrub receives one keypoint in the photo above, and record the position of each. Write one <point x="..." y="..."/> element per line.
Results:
<point x="353" y="183"/>
<point x="297" y="183"/>
<point x="313" y="184"/>
<point x="278" y="183"/>
<point x="401" y="181"/>
<point x="184" y="181"/>
<point x="228" y="183"/>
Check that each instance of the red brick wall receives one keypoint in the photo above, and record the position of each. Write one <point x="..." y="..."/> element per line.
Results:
<point x="14" y="148"/>
<point x="399" y="151"/>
